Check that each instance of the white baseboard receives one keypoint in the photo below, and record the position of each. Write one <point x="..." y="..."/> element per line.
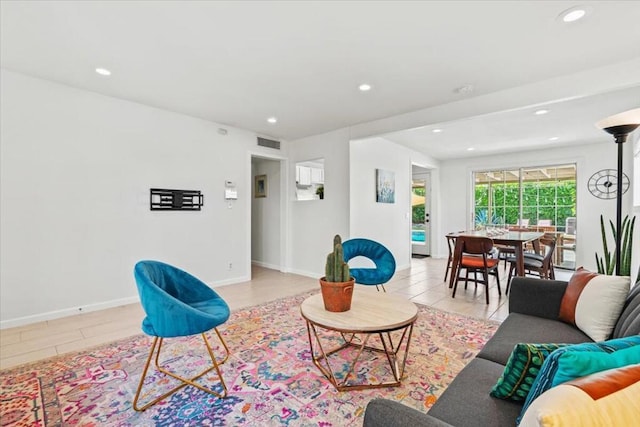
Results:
<point x="266" y="265"/>
<point x="306" y="273"/>
<point x="226" y="282"/>
<point x="403" y="267"/>
<point x="57" y="314"/>
<point x="71" y="311"/>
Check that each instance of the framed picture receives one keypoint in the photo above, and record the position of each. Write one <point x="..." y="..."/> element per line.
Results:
<point x="385" y="186"/>
<point x="260" y="189"/>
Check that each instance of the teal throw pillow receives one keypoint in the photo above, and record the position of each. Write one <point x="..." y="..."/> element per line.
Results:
<point x="576" y="364"/>
<point x="545" y="379"/>
<point x="521" y="370"/>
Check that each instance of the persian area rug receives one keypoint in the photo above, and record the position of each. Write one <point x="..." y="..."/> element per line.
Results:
<point x="271" y="378"/>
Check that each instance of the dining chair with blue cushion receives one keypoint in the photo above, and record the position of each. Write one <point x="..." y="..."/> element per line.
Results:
<point x="178" y="305"/>
<point x="385" y="263"/>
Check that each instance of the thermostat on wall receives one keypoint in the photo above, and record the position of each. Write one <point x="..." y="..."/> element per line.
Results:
<point x="230" y="192"/>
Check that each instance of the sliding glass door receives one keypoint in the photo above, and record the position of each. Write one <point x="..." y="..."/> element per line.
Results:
<point x="542" y="198"/>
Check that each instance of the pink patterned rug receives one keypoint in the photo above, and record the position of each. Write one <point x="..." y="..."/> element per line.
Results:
<point x="271" y="378"/>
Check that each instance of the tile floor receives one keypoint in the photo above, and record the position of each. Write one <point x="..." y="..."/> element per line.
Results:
<point x="422" y="283"/>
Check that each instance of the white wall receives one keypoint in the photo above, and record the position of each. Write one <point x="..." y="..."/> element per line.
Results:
<point x="634" y="141"/>
<point x="265" y="216"/>
<point x="455" y="190"/>
<point x="387" y="223"/>
<point x="315" y="222"/>
<point x="76" y="168"/>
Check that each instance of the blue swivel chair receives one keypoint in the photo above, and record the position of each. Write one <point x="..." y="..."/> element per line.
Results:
<point x="177" y="305"/>
<point x="376" y="252"/>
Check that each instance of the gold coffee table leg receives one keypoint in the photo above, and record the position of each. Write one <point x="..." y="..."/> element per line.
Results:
<point x="320" y="357"/>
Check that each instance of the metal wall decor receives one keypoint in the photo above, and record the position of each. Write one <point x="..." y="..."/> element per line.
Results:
<point x="161" y="199"/>
<point x="604" y="184"/>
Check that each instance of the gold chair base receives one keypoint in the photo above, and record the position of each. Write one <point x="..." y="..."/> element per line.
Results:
<point x="389" y="349"/>
<point x="157" y="344"/>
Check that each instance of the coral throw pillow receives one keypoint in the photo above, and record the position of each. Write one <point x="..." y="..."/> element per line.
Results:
<point x="593" y="302"/>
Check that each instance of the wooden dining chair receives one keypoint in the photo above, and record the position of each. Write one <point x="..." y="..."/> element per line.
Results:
<point x="476" y="258"/>
<point x="538" y="264"/>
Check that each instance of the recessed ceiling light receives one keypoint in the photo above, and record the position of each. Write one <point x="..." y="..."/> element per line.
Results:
<point x="464" y="90"/>
<point x="573" y="14"/>
<point x="553" y="138"/>
<point x="364" y="87"/>
<point x="541" y="112"/>
<point x="272" y="120"/>
<point x="103" y="71"/>
<point x="470" y="149"/>
<point x="436" y="130"/>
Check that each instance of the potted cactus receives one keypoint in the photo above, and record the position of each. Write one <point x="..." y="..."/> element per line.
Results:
<point x="337" y="284"/>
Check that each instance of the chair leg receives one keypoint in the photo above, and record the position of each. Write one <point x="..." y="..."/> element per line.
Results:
<point x="485" y="274"/>
<point x="511" y="272"/>
<point x="455" y="283"/>
<point x="156" y="347"/>
<point x="383" y="289"/>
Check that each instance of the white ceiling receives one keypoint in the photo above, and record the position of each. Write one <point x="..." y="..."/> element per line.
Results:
<point x="238" y="63"/>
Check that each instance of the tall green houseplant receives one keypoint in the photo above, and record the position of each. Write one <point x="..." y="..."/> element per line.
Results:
<point x="607" y="262"/>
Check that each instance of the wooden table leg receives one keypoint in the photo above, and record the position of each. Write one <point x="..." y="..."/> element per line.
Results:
<point x="519" y="260"/>
<point x="455" y="264"/>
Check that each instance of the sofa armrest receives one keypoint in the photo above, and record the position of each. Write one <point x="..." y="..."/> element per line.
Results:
<point x="536" y="297"/>
<point x="387" y="413"/>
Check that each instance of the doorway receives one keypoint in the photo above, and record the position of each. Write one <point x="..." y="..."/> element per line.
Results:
<point x="266" y="207"/>
<point x="420" y="212"/>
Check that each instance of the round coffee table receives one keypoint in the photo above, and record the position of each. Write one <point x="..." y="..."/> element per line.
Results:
<point x="372" y="314"/>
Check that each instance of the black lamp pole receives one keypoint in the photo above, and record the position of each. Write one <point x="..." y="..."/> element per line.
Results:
<point x="620" y="134"/>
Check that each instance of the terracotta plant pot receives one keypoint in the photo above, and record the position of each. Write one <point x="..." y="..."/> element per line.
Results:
<point x="337" y="295"/>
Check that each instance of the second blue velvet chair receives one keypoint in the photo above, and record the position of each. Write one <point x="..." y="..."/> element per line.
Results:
<point x="381" y="256"/>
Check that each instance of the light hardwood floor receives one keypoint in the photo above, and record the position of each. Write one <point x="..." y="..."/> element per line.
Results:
<point x="422" y="283"/>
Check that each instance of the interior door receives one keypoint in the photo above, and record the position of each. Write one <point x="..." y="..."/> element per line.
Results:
<point x="420" y="214"/>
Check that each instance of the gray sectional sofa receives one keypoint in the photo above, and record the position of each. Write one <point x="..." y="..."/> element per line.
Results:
<point x="533" y="305"/>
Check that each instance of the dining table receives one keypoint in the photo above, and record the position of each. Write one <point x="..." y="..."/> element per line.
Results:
<point x="515" y="239"/>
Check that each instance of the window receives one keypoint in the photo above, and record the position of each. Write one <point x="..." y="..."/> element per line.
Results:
<point x="542" y="198"/>
<point x="535" y="195"/>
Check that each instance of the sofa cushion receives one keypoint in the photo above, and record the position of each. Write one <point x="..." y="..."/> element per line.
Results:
<point x="519" y="328"/>
<point x="467" y="402"/>
<point x="555" y="364"/>
<point x="387" y="413"/>
<point x="593" y="302"/>
<point x="629" y="321"/>
<point x="521" y="370"/>
<point x="607" y="398"/>
<point x="576" y="364"/>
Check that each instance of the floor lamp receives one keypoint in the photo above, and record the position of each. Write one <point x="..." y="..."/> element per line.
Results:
<point x="620" y="126"/>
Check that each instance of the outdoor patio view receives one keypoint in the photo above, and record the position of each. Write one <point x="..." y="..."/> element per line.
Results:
<point x="541" y="198"/>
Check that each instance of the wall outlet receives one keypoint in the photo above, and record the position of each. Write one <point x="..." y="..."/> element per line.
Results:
<point x="230" y="266"/>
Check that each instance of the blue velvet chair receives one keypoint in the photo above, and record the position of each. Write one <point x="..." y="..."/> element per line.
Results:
<point x="177" y="305"/>
<point x="378" y="254"/>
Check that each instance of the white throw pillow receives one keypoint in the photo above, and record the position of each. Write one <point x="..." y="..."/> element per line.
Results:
<point x="608" y="398"/>
<point x="593" y="302"/>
